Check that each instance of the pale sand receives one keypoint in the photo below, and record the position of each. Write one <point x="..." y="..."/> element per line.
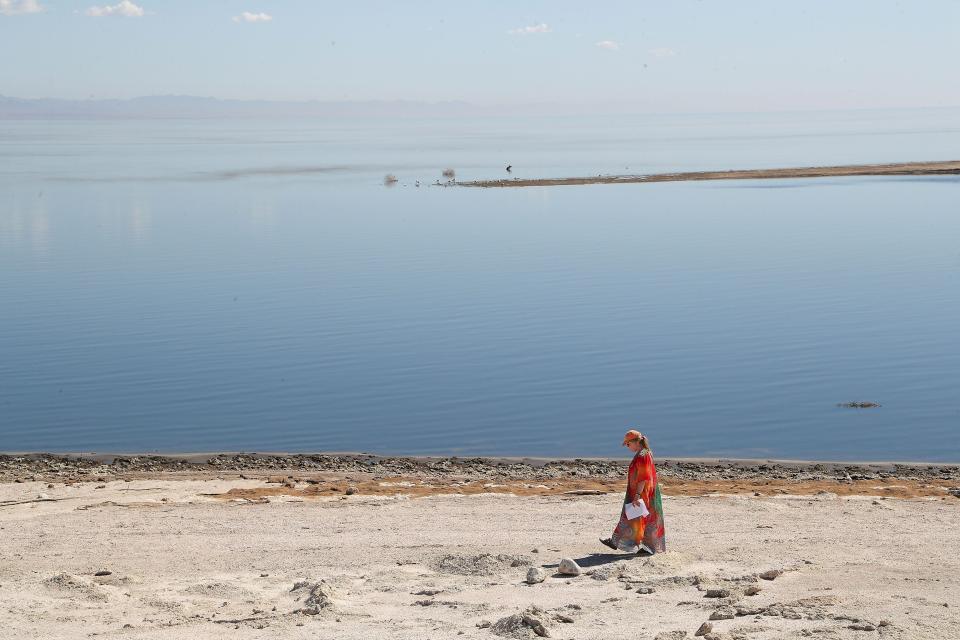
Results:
<point x="950" y="167"/>
<point x="185" y="562"/>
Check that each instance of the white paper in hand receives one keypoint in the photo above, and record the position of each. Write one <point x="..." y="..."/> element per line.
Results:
<point x="636" y="512"/>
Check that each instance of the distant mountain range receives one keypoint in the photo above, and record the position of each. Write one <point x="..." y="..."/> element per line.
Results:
<point x="197" y="107"/>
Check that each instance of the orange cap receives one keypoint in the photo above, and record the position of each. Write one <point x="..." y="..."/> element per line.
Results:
<point x="631" y="435"/>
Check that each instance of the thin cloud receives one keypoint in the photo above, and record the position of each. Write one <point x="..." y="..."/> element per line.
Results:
<point x="14" y="8"/>
<point x="246" y="16"/>
<point x="609" y="45"/>
<point x="525" y="31"/>
<point x="124" y="8"/>
<point x="662" y="52"/>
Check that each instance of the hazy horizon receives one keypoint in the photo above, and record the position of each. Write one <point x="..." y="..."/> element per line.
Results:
<point x="685" y="56"/>
<point x="147" y="106"/>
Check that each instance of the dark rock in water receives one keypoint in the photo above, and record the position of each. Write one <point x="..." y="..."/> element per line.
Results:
<point x="858" y="405"/>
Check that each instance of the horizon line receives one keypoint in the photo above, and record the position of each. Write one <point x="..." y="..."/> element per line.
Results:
<point x="22" y="107"/>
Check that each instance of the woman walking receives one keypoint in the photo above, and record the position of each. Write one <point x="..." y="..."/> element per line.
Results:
<point x="641" y="519"/>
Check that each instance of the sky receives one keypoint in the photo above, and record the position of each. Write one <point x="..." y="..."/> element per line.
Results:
<point x="739" y="55"/>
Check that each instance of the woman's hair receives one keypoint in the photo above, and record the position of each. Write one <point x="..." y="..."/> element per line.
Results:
<point x="643" y="443"/>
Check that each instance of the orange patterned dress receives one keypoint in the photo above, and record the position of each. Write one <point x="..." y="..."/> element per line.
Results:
<point x="648" y="529"/>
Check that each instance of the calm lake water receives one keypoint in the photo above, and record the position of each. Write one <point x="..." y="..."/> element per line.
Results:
<point x="251" y="285"/>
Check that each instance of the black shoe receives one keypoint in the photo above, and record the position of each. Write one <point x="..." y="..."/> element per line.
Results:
<point x="607" y="542"/>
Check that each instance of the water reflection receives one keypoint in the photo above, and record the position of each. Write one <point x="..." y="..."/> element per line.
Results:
<point x="26" y="223"/>
<point x="140" y="222"/>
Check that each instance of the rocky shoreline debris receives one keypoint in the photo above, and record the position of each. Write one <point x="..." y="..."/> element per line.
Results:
<point x="532" y="622"/>
<point x="58" y="467"/>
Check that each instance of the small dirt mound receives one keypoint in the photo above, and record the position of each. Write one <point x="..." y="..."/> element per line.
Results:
<point x="530" y="623"/>
<point x="484" y="564"/>
<point x="217" y="590"/>
<point x="69" y="586"/>
<point x="315" y="596"/>
<point x="667" y="561"/>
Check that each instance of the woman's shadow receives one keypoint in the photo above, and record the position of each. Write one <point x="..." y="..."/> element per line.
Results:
<point x="591" y="561"/>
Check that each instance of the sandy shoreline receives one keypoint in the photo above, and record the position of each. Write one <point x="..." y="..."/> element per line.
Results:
<point x="951" y="167"/>
<point x="354" y="546"/>
<point x="344" y="554"/>
<point x="329" y="475"/>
